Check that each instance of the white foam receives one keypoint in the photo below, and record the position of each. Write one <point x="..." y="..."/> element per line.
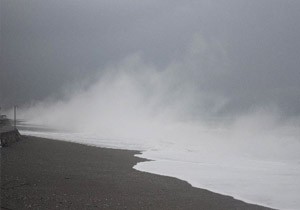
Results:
<point x="272" y="184"/>
<point x="88" y="139"/>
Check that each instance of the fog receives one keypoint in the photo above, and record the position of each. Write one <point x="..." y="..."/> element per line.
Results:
<point x="202" y="87"/>
<point x="139" y="104"/>
<point x="244" y="54"/>
<point x="185" y="72"/>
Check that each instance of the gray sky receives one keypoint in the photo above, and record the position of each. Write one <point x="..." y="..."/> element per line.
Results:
<point x="249" y="50"/>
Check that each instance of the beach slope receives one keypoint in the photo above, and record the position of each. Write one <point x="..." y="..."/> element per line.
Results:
<point x="48" y="174"/>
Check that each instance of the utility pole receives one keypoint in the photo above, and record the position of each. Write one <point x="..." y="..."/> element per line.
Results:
<point x="15" y="117"/>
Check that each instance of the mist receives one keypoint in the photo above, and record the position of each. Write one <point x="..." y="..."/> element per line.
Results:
<point x="140" y="104"/>
<point x="244" y="54"/>
<point x="209" y="89"/>
<point x="251" y="155"/>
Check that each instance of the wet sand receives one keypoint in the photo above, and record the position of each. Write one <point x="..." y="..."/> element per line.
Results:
<point x="38" y="173"/>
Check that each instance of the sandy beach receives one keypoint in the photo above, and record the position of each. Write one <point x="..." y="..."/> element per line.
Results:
<point x="38" y="173"/>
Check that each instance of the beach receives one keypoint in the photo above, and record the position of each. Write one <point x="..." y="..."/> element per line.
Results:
<point x="38" y="173"/>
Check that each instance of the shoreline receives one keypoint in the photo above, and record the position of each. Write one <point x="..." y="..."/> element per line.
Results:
<point x="235" y="197"/>
<point x="61" y="174"/>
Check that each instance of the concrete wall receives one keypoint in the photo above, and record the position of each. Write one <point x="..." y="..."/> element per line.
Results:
<point x="9" y="137"/>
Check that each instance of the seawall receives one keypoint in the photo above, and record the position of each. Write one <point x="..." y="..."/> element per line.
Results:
<point x="8" y="137"/>
<point x="8" y="133"/>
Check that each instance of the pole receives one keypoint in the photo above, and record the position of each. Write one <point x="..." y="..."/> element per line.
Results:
<point x="15" y="117"/>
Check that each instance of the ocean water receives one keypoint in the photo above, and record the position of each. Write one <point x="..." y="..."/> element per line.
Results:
<point x="270" y="181"/>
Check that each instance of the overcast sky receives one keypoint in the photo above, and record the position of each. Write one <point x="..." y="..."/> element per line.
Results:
<point x="245" y="51"/>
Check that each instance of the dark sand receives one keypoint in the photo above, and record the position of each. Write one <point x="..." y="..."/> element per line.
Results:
<point x="38" y="173"/>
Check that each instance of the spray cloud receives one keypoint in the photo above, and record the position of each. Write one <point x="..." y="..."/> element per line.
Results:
<point x="138" y="102"/>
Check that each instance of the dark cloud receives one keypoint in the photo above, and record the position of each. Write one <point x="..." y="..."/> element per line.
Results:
<point x="246" y="52"/>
